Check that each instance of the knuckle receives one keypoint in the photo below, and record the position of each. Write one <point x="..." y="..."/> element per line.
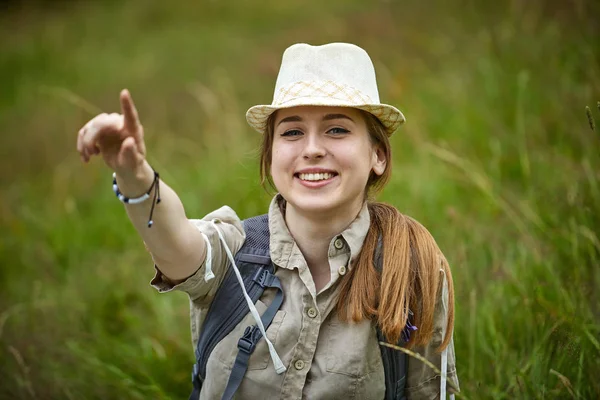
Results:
<point x="96" y="119"/>
<point x="89" y="137"/>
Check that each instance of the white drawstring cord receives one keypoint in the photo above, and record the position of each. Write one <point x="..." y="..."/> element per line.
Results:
<point x="208" y="272"/>
<point x="277" y="363"/>
<point x="445" y="352"/>
<point x="444" y="372"/>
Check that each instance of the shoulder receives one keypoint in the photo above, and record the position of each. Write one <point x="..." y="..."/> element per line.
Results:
<point x="224" y="214"/>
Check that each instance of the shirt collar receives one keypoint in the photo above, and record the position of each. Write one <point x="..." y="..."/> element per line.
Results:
<point x="282" y="242"/>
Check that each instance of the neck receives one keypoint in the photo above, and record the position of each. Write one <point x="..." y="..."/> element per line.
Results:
<point x="313" y="232"/>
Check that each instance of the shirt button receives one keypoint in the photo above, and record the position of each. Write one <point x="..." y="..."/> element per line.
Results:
<point x="342" y="270"/>
<point x="312" y="312"/>
<point x="338" y="244"/>
<point x="299" y="364"/>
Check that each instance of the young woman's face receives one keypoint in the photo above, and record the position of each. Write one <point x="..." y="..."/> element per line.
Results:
<point x="322" y="158"/>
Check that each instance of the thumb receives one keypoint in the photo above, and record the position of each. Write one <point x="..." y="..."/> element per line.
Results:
<point x="129" y="155"/>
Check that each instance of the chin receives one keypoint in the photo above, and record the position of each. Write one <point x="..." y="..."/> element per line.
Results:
<point x="318" y="204"/>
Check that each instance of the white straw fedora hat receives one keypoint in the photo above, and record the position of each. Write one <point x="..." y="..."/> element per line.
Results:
<point x="335" y="74"/>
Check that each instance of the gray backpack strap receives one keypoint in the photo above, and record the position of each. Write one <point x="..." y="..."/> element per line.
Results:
<point x="229" y="307"/>
<point x="395" y="362"/>
<point x="252" y="336"/>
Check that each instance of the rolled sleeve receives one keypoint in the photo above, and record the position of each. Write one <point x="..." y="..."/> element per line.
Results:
<point x="424" y="382"/>
<point x="199" y="285"/>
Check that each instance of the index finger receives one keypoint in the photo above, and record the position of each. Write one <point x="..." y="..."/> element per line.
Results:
<point x="130" y="113"/>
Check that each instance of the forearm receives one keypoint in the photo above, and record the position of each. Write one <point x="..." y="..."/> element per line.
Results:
<point x="176" y="246"/>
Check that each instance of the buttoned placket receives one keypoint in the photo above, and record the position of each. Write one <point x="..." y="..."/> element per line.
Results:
<point x="305" y="349"/>
<point x="339" y="257"/>
<point x="314" y="313"/>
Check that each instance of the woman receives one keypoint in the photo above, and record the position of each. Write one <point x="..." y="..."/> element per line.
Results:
<point x="326" y="150"/>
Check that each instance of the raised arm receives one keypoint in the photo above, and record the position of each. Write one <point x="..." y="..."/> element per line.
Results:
<point x="176" y="245"/>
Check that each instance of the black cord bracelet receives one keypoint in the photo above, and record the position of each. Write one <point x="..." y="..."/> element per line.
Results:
<point x="143" y="197"/>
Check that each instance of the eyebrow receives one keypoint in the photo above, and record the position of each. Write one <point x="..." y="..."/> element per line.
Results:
<point x="328" y="117"/>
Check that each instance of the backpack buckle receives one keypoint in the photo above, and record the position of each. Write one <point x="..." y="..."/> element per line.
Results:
<point x="264" y="278"/>
<point x="249" y="339"/>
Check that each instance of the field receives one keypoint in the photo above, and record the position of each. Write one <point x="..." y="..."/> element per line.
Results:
<point x="497" y="159"/>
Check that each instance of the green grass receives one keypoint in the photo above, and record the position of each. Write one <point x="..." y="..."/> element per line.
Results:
<point x="496" y="159"/>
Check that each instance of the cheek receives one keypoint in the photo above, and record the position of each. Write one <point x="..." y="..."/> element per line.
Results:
<point x="359" y="158"/>
<point x="275" y="159"/>
<point x="279" y="161"/>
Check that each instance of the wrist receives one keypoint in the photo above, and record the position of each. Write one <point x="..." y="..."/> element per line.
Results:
<point x="138" y="180"/>
<point x="133" y="183"/>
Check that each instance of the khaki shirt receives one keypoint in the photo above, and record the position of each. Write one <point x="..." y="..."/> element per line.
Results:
<point x="325" y="358"/>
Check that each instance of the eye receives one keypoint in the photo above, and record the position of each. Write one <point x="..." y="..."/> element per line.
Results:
<point x="338" y="131"/>
<point x="292" y="133"/>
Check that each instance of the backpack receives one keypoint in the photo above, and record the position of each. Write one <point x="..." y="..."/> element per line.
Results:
<point x="229" y="307"/>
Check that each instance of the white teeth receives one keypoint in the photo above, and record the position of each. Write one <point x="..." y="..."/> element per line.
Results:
<point x="315" y="177"/>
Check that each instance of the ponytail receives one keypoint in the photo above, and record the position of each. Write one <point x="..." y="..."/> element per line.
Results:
<point x="409" y="280"/>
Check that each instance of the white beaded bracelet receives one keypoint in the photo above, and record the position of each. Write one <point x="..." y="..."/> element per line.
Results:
<point x="143" y="197"/>
<point x="127" y="200"/>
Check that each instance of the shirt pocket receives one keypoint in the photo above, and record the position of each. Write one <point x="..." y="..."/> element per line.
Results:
<point x="227" y="349"/>
<point x="352" y="349"/>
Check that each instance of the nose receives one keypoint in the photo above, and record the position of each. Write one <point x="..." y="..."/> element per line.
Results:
<point x="314" y="146"/>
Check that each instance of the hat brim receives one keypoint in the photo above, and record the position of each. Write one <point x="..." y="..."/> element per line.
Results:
<point x="390" y="116"/>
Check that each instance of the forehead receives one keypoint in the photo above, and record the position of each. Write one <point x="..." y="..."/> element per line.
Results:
<point x="317" y="112"/>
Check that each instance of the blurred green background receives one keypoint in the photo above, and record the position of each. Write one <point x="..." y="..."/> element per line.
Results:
<point x="497" y="159"/>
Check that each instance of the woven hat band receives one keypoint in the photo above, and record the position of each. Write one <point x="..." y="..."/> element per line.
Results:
<point x="321" y="89"/>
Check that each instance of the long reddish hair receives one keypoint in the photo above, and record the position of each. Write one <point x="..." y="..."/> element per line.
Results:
<point x="411" y="277"/>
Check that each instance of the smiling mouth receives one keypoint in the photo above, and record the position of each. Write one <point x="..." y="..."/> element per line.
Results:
<point x="316" y="177"/>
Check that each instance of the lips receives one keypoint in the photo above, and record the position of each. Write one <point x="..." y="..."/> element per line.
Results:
<point x="315" y="174"/>
<point x="316" y="177"/>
